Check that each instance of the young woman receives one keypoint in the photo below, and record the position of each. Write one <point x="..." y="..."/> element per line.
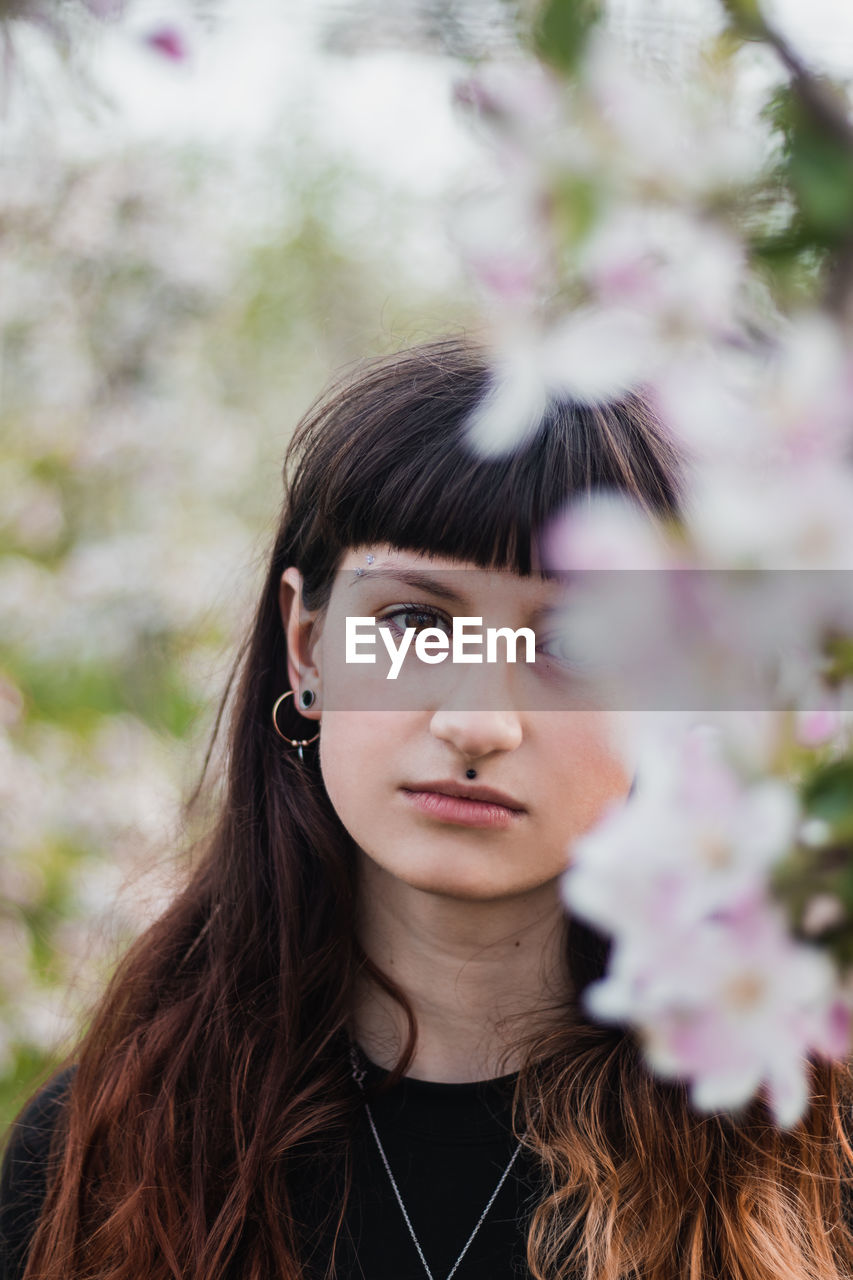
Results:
<point x="355" y="1043"/>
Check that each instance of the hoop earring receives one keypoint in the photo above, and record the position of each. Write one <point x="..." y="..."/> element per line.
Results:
<point x="299" y="743"/>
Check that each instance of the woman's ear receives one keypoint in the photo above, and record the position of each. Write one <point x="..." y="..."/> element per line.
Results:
<point x="301" y="632"/>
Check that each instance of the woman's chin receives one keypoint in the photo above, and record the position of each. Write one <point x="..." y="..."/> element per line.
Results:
<point x="464" y="875"/>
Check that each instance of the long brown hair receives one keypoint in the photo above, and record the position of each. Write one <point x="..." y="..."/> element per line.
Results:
<point x="215" y="1063"/>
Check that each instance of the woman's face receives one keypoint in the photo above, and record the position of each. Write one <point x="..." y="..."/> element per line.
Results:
<point x="389" y="748"/>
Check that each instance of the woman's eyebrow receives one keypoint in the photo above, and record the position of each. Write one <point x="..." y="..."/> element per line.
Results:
<point x="554" y="601"/>
<point x="413" y="578"/>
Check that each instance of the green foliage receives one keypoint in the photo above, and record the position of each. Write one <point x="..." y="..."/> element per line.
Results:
<point x="817" y="167"/>
<point x="746" y="17"/>
<point x="562" y="29"/>
<point x="809" y="872"/>
<point x="29" y="1069"/>
<point x="805" y="207"/>
<point x="824" y="867"/>
<point x="828" y="794"/>
<point x="78" y="694"/>
<point x="578" y="202"/>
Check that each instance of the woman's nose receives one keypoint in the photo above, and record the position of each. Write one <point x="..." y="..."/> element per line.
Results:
<point x="477" y="733"/>
<point x="478" y="714"/>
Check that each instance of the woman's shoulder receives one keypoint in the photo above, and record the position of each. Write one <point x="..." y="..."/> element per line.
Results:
<point x="23" y="1176"/>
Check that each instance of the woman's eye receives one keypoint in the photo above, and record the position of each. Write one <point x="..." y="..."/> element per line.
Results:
<point x="416" y="617"/>
<point x="559" y="647"/>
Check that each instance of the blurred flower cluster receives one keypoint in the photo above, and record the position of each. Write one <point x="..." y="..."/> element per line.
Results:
<point x="64" y="27"/>
<point x="673" y="236"/>
<point x="159" y="337"/>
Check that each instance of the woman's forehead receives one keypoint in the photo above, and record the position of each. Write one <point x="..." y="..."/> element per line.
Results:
<point x="387" y="556"/>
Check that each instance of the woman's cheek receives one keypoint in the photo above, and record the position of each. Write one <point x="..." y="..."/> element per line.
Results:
<point x="594" y="777"/>
<point x="357" y="752"/>
<point x="340" y="758"/>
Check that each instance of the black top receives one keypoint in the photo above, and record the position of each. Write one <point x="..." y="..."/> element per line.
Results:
<point x="447" y="1146"/>
<point x="23" y="1176"/>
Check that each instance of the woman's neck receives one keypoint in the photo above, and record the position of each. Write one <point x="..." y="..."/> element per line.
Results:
<point x="479" y="976"/>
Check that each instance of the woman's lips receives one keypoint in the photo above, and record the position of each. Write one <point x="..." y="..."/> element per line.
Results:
<point x="461" y="811"/>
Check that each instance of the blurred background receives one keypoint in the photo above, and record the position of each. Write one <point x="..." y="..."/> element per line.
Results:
<point x="205" y="210"/>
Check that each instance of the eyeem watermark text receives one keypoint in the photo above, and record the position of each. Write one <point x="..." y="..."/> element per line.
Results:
<point x="433" y="645"/>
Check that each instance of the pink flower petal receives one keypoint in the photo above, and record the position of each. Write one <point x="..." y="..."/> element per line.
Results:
<point x="169" y="42"/>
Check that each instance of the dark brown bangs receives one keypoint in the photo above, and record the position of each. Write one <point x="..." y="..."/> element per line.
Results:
<point x="384" y="458"/>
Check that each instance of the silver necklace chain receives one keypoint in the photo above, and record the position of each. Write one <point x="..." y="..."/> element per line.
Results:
<point x="358" y="1074"/>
